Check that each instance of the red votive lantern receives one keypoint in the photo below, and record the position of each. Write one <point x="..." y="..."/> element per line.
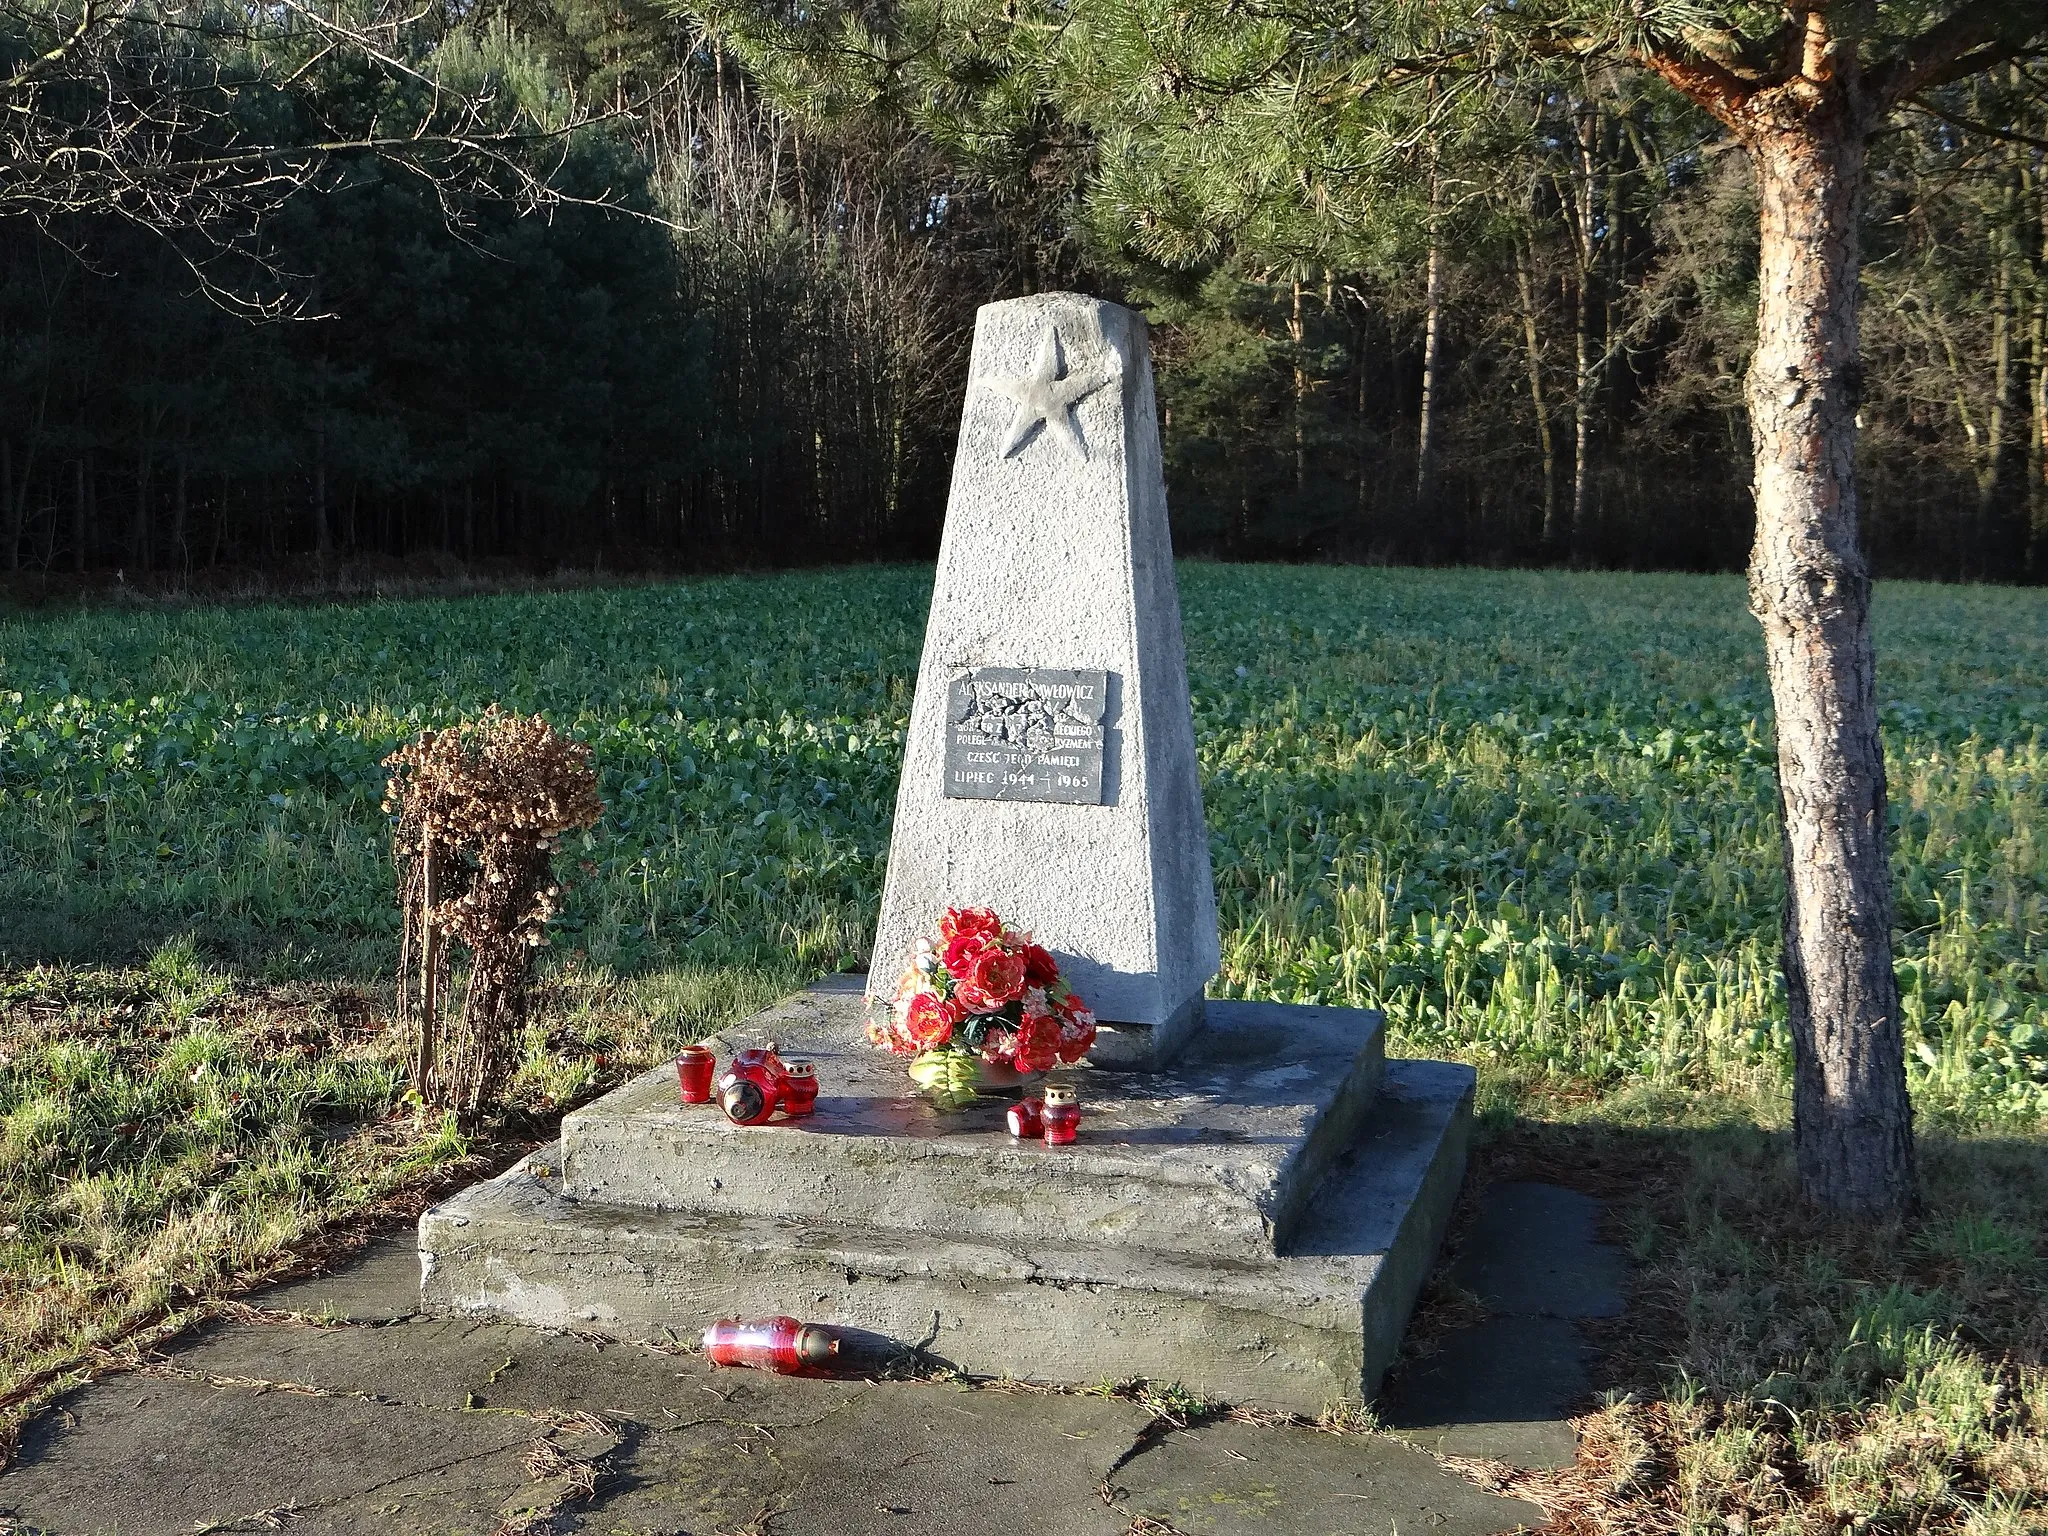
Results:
<point x="1062" y="1116"/>
<point x="779" y="1344"/>
<point x="1027" y="1119"/>
<point x="799" y="1088"/>
<point x="753" y="1085"/>
<point x="696" y="1065"/>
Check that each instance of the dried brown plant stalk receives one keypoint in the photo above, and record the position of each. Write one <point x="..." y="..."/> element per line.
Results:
<point x="481" y="807"/>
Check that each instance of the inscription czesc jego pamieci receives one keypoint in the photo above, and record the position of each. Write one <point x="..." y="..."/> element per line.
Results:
<point x="1025" y="733"/>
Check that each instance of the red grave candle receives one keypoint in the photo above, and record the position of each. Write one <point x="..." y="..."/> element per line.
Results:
<point x="695" y="1067"/>
<point x="752" y="1087"/>
<point x="799" y="1088"/>
<point x="779" y="1344"/>
<point x="1027" y="1119"/>
<point x="1062" y="1116"/>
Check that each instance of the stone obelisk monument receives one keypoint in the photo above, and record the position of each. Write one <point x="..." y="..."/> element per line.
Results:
<point x="1251" y="1219"/>
<point x="1050" y="767"/>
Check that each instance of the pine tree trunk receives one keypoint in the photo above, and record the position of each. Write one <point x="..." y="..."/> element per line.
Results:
<point x="1532" y="345"/>
<point x="1994" y="540"/>
<point x="140" y="555"/>
<point x="81" y="517"/>
<point x="1582" y="317"/>
<point x="179" y="509"/>
<point x="1425" y="440"/>
<point x="1810" y="589"/>
<point x="323" y="534"/>
<point x="1296" y="331"/>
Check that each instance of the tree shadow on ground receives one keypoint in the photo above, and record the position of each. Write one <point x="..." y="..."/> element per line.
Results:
<point x="1774" y="1368"/>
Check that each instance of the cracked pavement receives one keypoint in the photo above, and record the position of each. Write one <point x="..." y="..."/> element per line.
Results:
<point x="342" y="1412"/>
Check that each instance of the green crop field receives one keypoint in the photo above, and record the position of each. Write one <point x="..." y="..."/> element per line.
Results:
<point x="1529" y="815"/>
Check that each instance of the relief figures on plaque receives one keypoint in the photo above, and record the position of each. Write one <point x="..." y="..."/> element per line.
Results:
<point x="1025" y="733"/>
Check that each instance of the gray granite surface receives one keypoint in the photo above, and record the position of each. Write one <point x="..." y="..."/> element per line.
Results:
<point x="1056" y="554"/>
<point x="1219" y="1155"/>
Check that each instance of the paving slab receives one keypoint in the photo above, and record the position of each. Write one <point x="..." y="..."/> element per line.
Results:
<point x="135" y="1456"/>
<point x="907" y="1460"/>
<point x="455" y="1364"/>
<point x="1218" y="1156"/>
<point x="377" y="1284"/>
<point x="1500" y="1390"/>
<point x="1534" y="1252"/>
<point x="1232" y="1479"/>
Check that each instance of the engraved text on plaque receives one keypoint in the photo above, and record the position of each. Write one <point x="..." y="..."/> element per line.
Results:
<point x="1025" y="733"/>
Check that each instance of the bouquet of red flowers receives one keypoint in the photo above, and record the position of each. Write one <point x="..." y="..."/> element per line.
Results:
<point x="983" y="991"/>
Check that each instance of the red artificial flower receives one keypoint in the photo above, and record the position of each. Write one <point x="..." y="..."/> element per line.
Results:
<point x="1038" y="1044"/>
<point x="1040" y="969"/>
<point x="970" y="922"/>
<point x="999" y="974"/>
<point x="999" y="1047"/>
<point x="1077" y="1038"/>
<point x="930" y="1021"/>
<point x="962" y="951"/>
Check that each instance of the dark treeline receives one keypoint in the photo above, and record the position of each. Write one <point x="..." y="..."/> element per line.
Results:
<point x="757" y="354"/>
<point x="744" y="354"/>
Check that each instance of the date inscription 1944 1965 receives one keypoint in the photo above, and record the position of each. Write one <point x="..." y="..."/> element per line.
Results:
<point x="1025" y="733"/>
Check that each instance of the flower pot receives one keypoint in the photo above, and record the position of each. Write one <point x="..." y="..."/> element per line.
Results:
<point x="996" y="1080"/>
<point x="955" y="1079"/>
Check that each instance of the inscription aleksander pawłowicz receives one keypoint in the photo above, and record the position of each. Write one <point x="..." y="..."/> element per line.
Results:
<point x="1025" y="733"/>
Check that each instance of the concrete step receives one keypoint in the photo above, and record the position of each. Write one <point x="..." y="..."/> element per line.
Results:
<point x="1216" y="1155"/>
<point x="1314" y="1327"/>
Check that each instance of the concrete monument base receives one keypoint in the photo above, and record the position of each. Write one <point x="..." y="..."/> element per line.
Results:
<point x="1253" y="1224"/>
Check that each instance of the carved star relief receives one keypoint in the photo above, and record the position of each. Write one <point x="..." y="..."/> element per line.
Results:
<point x="1043" y="395"/>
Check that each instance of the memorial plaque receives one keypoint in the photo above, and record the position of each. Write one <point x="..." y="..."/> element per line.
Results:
<point x="1025" y="733"/>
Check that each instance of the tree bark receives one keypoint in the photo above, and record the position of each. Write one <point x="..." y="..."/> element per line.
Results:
<point x="1587" y="238"/>
<point x="1997" y="543"/>
<point x="323" y="534"/>
<point x="1296" y="332"/>
<point x="1810" y="590"/>
<point x="1532" y="345"/>
<point x="179" y="518"/>
<point x="140" y="555"/>
<point x="1432" y="390"/>
<point x="80" y="516"/>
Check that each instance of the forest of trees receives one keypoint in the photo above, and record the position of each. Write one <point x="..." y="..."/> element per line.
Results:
<point x="739" y="336"/>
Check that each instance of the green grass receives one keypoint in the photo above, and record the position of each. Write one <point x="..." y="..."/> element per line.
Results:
<point x="1529" y="815"/>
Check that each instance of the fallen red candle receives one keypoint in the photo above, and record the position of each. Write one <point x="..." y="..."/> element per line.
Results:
<point x="753" y="1085"/>
<point x="779" y="1344"/>
<point x="1027" y="1119"/>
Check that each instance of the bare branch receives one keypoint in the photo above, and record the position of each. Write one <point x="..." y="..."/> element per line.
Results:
<point x="1970" y="125"/>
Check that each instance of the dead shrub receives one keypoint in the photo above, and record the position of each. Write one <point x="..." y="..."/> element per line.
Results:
<point x="481" y="807"/>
